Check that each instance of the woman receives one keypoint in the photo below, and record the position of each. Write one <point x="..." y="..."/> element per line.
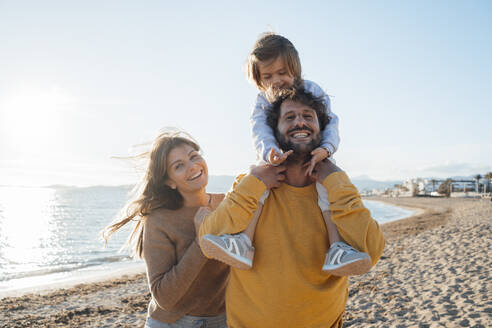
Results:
<point x="187" y="289"/>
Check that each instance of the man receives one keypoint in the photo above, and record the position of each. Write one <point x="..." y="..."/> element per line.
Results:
<point x="285" y="287"/>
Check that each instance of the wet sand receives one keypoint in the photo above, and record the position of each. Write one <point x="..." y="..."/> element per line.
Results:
<point x="435" y="272"/>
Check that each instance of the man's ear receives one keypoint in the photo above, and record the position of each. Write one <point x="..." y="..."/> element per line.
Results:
<point x="170" y="184"/>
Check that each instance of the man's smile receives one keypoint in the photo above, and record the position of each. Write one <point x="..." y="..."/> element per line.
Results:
<point x="299" y="134"/>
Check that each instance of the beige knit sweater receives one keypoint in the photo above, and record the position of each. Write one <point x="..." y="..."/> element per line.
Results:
<point x="181" y="280"/>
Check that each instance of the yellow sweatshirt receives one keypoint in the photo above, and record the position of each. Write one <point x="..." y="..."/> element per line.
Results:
<point x="286" y="287"/>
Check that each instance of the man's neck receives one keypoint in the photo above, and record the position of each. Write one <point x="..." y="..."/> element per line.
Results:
<point x="295" y="175"/>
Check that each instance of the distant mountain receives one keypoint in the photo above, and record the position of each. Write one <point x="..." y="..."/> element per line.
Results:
<point x="216" y="183"/>
<point x="456" y="177"/>
<point x="366" y="183"/>
<point x="61" y="187"/>
<point x="470" y="177"/>
<point x="220" y="183"/>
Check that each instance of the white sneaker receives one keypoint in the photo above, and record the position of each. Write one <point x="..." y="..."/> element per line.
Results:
<point x="235" y="250"/>
<point x="344" y="260"/>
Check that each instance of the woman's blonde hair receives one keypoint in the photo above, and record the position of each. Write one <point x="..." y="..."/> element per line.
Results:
<point x="268" y="48"/>
<point x="151" y="192"/>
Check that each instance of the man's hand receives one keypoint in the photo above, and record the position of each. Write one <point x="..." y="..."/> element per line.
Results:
<point x="318" y="154"/>
<point x="271" y="176"/>
<point x="199" y="216"/>
<point x="324" y="169"/>
<point x="275" y="158"/>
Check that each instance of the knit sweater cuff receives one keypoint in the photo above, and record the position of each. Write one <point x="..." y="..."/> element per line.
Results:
<point x="251" y="186"/>
<point x="334" y="184"/>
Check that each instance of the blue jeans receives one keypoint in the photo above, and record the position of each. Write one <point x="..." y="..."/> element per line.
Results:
<point x="189" y="321"/>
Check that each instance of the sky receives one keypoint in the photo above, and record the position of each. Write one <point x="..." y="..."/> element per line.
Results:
<point x="82" y="82"/>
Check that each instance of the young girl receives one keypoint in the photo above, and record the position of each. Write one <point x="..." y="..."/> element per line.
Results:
<point x="274" y="63"/>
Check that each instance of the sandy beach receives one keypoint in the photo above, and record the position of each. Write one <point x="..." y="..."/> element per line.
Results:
<point x="435" y="272"/>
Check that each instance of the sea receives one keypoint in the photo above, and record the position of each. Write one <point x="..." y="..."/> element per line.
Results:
<point x="52" y="235"/>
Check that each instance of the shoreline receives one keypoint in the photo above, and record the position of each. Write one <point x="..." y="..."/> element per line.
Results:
<point x="416" y="210"/>
<point x="65" y="280"/>
<point x="424" y="276"/>
<point x="44" y="284"/>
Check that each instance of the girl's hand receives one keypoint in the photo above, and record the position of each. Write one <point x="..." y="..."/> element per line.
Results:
<point x="318" y="154"/>
<point x="275" y="158"/>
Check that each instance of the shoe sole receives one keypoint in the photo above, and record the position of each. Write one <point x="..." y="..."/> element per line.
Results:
<point x="354" y="268"/>
<point x="216" y="252"/>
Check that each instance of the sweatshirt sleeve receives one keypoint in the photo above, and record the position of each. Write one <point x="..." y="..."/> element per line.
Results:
<point x="353" y="220"/>
<point x="331" y="137"/>
<point x="169" y="280"/>
<point x="263" y="137"/>
<point x="236" y="210"/>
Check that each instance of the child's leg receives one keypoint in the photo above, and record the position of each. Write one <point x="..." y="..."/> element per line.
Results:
<point x="251" y="228"/>
<point x="333" y="235"/>
<point x="235" y="250"/>
<point x="341" y="259"/>
<point x="324" y="205"/>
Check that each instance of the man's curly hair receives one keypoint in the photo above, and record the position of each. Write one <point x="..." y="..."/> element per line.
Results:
<point x="296" y="93"/>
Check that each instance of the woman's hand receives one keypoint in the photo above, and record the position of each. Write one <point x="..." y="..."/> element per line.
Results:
<point x="199" y="216"/>
<point x="271" y="176"/>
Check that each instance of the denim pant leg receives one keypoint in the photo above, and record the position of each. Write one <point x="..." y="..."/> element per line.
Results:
<point x="190" y="322"/>
<point x="152" y="323"/>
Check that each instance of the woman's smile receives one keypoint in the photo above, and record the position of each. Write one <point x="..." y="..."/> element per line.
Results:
<point x="196" y="175"/>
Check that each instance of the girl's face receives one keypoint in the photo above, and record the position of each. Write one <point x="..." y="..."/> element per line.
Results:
<point x="275" y="74"/>
<point x="187" y="170"/>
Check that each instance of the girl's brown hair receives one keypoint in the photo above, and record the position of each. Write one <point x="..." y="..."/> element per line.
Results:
<point x="152" y="192"/>
<point x="268" y="48"/>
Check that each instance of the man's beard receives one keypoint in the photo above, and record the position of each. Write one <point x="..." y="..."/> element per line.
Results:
<point x="302" y="152"/>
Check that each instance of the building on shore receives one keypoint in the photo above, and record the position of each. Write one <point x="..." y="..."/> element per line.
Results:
<point x="430" y="187"/>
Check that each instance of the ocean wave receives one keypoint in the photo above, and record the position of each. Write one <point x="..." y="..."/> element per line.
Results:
<point x="66" y="267"/>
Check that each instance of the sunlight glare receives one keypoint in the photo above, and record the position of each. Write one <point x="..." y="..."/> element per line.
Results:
<point x="26" y="232"/>
<point x="32" y="118"/>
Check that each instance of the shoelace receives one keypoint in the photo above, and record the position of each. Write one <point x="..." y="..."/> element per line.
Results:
<point x="348" y="248"/>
